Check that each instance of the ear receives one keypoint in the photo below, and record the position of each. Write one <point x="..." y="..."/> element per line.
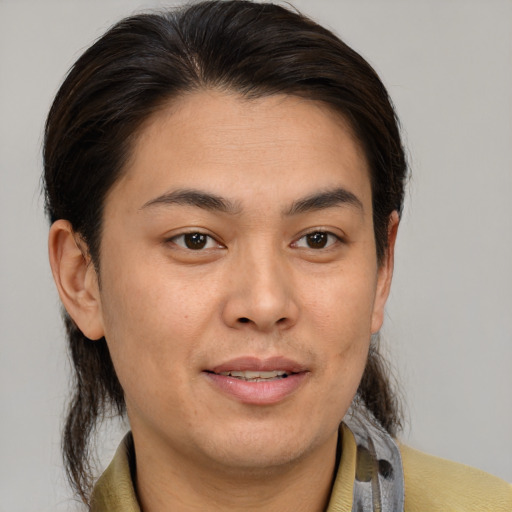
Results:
<point x="76" y="278"/>
<point x="385" y="274"/>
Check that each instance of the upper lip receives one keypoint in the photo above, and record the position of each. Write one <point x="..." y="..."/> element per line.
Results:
<point x="251" y="363"/>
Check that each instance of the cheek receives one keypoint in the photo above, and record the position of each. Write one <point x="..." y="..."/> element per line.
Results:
<point x="340" y="313"/>
<point x="141" y="295"/>
<point x="152" y="321"/>
<point x="342" y="302"/>
<point x="151" y="339"/>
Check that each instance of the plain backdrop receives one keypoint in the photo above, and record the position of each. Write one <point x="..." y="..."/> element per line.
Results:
<point x="448" y="67"/>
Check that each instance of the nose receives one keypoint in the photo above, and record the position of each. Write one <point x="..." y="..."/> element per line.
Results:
<point x="261" y="294"/>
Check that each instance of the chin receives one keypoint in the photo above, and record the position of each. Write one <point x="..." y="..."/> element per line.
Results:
<point x="256" y="448"/>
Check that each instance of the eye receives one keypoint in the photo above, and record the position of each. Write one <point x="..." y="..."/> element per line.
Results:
<point x="317" y="240"/>
<point x="195" y="241"/>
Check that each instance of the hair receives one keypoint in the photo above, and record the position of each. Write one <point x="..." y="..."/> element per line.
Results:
<point x="135" y="69"/>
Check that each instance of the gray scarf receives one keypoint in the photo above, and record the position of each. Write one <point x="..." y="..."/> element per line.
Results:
<point x="379" y="482"/>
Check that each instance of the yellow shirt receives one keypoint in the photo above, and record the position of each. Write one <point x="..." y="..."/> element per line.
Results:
<point x="431" y="484"/>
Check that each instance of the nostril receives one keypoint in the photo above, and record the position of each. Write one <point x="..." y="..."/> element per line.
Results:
<point x="245" y="320"/>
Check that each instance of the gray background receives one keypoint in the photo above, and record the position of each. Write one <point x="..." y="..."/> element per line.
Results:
<point x="448" y="67"/>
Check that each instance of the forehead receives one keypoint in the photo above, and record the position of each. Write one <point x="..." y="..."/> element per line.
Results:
<point x="224" y="142"/>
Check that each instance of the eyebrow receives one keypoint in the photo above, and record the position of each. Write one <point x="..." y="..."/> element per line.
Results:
<point x="197" y="198"/>
<point x="324" y="200"/>
<point x="212" y="202"/>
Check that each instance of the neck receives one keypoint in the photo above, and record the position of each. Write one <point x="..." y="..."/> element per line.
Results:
<point x="175" y="483"/>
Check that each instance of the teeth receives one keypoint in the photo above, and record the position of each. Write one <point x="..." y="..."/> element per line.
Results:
<point x="256" y="376"/>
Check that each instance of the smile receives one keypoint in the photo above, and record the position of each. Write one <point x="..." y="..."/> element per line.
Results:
<point x="253" y="381"/>
<point x="256" y="376"/>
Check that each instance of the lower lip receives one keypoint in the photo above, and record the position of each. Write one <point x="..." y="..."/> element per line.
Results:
<point x="257" y="393"/>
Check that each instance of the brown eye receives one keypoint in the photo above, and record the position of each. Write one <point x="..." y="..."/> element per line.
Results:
<point x="195" y="241"/>
<point x="316" y="240"/>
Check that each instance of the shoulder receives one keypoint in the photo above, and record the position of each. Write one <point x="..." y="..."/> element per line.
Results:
<point x="436" y="484"/>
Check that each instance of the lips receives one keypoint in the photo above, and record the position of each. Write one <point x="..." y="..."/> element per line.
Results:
<point x="257" y="381"/>
<point x="256" y="376"/>
<point x="242" y="364"/>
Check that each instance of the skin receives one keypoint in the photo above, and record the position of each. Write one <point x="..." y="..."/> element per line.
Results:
<point x="258" y="288"/>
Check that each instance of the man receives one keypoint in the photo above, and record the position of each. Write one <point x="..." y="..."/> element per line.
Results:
<point x="225" y="184"/>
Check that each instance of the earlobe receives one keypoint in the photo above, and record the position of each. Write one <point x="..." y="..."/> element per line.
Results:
<point x="385" y="275"/>
<point x="76" y="279"/>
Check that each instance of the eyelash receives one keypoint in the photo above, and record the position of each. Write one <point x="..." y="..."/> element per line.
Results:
<point x="205" y="241"/>
<point x="332" y="239"/>
<point x="209" y="240"/>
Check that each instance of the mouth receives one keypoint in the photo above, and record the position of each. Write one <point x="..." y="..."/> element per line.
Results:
<point x="256" y="376"/>
<point x="258" y="382"/>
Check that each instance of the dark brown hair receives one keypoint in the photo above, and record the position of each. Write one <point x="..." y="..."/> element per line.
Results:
<point x="139" y="65"/>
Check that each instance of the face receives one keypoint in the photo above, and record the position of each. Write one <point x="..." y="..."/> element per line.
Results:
<point x="239" y="280"/>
